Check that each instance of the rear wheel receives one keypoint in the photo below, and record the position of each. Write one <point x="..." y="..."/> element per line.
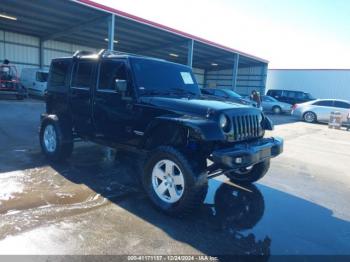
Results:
<point x="276" y="110"/>
<point x="249" y="174"/>
<point x="310" y="117"/>
<point x="56" y="139"/>
<point x="174" y="185"/>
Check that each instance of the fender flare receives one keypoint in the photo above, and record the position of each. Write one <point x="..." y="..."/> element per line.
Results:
<point x="202" y="129"/>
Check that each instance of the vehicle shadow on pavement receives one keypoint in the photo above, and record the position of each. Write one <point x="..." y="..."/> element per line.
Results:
<point x="238" y="220"/>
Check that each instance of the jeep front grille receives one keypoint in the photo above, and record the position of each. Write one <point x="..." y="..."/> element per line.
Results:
<point x="246" y="127"/>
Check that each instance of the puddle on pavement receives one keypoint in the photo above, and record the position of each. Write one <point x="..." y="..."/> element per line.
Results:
<point x="35" y="196"/>
<point x="252" y="218"/>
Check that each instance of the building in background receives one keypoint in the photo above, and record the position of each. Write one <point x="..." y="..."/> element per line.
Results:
<point x="321" y="83"/>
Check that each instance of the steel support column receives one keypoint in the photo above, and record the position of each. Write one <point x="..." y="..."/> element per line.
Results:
<point x="263" y="79"/>
<point x="235" y="71"/>
<point x="111" y="24"/>
<point x="190" y="52"/>
<point x="41" y="53"/>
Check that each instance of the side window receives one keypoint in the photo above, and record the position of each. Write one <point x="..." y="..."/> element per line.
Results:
<point x="276" y="93"/>
<point x="300" y="95"/>
<point x="109" y="72"/>
<point x="58" y="74"/>
<point x="324" y="103"/>
<point x="82" y="74"/>
<point x="342" y="104"/>
<point x="291" y="94"/>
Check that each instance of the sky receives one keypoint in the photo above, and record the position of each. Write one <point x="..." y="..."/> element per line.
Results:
<point x="288" y="33"/>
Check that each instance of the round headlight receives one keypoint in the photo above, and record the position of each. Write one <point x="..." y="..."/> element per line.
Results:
<point x="224" y="122"/>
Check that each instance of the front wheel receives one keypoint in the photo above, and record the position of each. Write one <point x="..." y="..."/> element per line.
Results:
<point x="277" y="110"/>
<point x="249" y="174"/>
<point x="172" y="182"/>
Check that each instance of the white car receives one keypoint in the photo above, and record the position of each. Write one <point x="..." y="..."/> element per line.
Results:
<point x="320" y="110"/>
<point x="34" y="80"/>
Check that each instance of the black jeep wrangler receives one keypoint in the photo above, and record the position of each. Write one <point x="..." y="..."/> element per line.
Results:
<point x="154" y="107"/>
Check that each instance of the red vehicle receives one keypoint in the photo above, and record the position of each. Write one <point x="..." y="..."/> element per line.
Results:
<point x="9" y="82"/>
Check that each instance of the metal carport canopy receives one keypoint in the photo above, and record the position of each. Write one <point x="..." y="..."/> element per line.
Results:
<point x="85" y="22"/>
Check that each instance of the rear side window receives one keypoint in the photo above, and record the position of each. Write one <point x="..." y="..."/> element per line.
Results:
<point x="82" y="74"/>
<point x="342" y="104"/>
<point x="58" y="74"/>
<point x="324" y="103"/>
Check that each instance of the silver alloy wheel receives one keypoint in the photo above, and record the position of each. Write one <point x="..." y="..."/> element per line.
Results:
<point x="309" y="117"/>
<point x="50" y="138"/>
<point x="168" y="181"/>
<point x="277" y="110"/>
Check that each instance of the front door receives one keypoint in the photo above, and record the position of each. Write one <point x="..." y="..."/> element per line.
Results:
<point x="113" y="110"/>
<point x="80" y="95"/>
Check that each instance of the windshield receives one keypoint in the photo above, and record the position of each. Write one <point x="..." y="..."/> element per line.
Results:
<point x="41" y="76"/>
<point x="154" y="77"/>
<point x="309" y="96"/>
<point x="7" y="73"/>
<point x="232" y="93"/>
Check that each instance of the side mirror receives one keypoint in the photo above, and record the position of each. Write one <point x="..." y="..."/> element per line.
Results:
<point x="120" y="85"/>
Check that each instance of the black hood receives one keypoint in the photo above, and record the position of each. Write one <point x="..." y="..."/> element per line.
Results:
<point x="198" y="107"/>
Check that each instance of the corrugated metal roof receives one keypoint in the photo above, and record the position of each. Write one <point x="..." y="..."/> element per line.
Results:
<point x="163" y="27"/>
<point x="83" y="22"/>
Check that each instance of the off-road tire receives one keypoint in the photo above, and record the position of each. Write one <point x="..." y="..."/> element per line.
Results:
<point x="253" y="175"/>
<point x="195" y="181"/>
<point x="64" y="139"/>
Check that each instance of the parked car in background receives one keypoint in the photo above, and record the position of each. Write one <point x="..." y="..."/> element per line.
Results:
<point x="225" y="94"/>
<point x="290" y="96"/>
<point x="34" y="80"/>
<point x="9" y="82"/>
<point x="320" y="110"/>
<point x="270" y="104"/>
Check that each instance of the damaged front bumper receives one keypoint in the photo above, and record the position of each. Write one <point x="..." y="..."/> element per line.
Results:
<point x="247" y="154"/>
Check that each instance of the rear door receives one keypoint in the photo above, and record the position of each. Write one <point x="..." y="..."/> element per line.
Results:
<point x="323" y="109"/>
<point x="82" y="81"/>
<point x="343" y="107"/>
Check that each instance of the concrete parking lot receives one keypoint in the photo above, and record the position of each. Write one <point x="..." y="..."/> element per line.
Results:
<point x="94" y="205"/>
